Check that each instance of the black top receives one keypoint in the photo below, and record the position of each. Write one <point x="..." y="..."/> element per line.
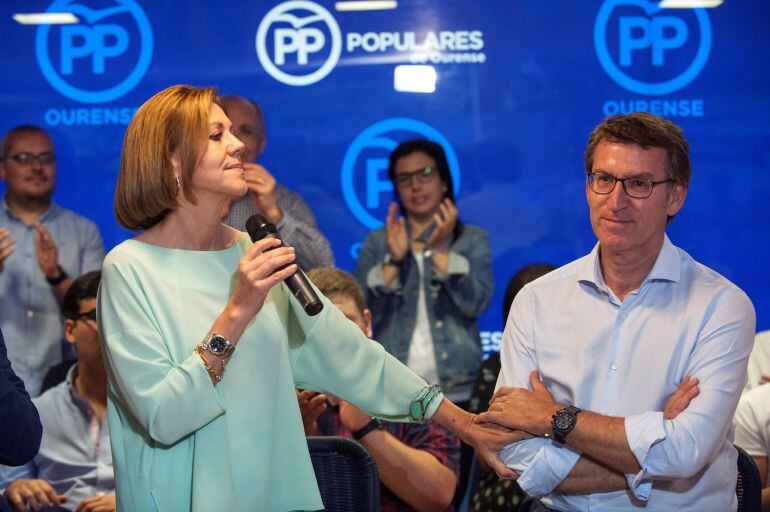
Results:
<point x="20" y="428"/>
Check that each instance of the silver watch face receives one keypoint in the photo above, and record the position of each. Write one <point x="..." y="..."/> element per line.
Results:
<point x="218" y="345"/>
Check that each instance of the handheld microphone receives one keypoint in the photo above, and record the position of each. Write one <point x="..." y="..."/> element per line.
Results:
<point x="259" y="227"/>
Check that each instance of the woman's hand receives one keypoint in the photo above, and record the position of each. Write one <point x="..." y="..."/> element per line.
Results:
<point x="259" y="270"/>
<point x="398" y="241"/>
<point x="446" y="220"/>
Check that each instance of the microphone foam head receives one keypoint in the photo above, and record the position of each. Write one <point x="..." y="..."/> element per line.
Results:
<point x="259" y="227"/>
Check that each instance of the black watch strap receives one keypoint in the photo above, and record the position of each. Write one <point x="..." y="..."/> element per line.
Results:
<point x="375" y="424"/>
<point x="53" y="281"/>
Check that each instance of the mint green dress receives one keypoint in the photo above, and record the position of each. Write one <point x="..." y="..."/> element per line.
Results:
<point x="180" y="443"/>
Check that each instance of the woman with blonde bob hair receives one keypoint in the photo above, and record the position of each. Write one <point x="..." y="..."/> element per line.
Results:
<point x="204" y="345"/>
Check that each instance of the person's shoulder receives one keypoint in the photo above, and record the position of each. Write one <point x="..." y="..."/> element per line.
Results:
<point x="284" y="193"/>
<point x="754" y="406"/>
<point x="51" y="400"/>
<point x="706" y="281"/>
<point x="72" y="216"/>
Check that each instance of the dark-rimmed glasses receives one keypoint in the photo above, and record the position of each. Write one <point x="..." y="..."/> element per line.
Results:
<point x="424" y="175"/>
<point x="638" y="187"/>
<point x="88" y="315"/>
<point x="44" y="158"/>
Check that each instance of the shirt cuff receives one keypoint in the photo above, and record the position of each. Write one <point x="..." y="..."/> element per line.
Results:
<point x="458" y="265"/>
<point x="545" y="470"/>
<point x="642" y="432"/>
<point x="375" y="282"/>
<point x="286" y="226"/>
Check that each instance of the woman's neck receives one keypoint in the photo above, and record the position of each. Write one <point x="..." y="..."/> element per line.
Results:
<point x="191" y="227"/>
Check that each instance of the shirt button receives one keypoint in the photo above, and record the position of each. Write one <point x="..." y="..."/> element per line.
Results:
<point x="444" y="356"/>
<point x="439" y="324"/>
<point x="623" y="316"/>
<point x="614" y="367"/>
<point x="30" y="314"/>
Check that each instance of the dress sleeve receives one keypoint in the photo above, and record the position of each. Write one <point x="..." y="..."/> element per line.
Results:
<point x="331" y="354"/>
<point x="167" y="399"/>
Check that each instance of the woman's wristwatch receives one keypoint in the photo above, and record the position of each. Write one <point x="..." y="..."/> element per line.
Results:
<point x="217" y="345"/>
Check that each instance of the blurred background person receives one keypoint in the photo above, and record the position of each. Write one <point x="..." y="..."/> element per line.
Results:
<point x="203" y="350"/>
<point x="41" y="246"/>
<point x="418" y="463"/>
<point x="73" y="469"/>
<point x="283" y="207"/>
<point x="427" y="275"/>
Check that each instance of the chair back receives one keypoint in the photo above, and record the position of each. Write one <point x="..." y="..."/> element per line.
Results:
<point x="346" y="474"/>
<point x="749" y="486"/>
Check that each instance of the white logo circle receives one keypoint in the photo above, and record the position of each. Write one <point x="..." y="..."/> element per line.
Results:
<point x="299" y="39"/>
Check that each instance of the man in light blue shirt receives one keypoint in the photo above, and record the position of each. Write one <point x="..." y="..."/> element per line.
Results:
<point x="613" y="334"/>
<point x="73" y="468"/>
<point x="41" y="245"/>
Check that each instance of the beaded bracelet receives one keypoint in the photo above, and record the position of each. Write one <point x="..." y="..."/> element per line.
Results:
<point x="208" y="367"/>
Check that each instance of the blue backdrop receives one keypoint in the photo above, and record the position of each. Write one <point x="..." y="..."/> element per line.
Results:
<point x="519" y="85"/>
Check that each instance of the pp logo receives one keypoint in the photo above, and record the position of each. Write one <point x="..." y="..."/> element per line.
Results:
<point x="298" y="43"/>
<point x="99" y="59"/>
<point x="365" y="185"/>
<point x="654" y="51"/>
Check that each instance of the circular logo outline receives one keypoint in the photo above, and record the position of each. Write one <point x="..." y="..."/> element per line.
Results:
<point x="117" y="91"/>
<point x="267" y="62"/>
<point x="372" y="137"/>
<point x="637" y="86"/>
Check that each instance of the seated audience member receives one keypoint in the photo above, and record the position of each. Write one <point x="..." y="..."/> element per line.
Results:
<point x="283" y="207"/>
<point x="592" y="350"/>
<point x="73" y="468"/>
<point x="20" y="427"/>
<point x="417" y="463"/>
<point x="495" y="493"/>
<point x="752" y="433"/>
<point x="60" y="242"/>
<point x="759" y="361"/>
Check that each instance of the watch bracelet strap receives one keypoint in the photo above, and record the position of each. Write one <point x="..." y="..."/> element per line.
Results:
<point x="209" y="369"/>
<point x="374" y="424"/>
<point x="55" y="281"/>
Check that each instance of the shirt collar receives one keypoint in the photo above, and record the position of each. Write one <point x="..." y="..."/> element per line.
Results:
<point x="666" y="267"/>
<point x="53" y="208"/>
<point x="79" y="400"/>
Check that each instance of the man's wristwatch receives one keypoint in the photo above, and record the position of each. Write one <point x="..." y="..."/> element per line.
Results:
<point x="562" y="423"/>
<point x="217" y="345"/>
<point x="54" y="281"/>
<point x="375" y="424"/>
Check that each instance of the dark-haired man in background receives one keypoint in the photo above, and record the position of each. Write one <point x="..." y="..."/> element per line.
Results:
<point x="41" y="246"/>
<point x="73" y="468"/>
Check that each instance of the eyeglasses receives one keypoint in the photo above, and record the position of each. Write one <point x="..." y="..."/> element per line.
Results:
<point x="27" y="158"/>
<point x="423" y="175"/>
<point x="88" y="315"/>
<point x="637" y="187"/>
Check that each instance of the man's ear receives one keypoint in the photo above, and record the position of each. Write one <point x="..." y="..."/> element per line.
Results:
<point x="2" y="170"/>
<point x="69" y="331"/>
<point x="676" y="198"/>
<point x="368" y="320"/>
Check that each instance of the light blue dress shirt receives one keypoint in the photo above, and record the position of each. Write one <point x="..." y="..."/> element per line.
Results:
<point x="74" y="457"/>
<point x="624" y="359"/>
<point x="29" y="310"/>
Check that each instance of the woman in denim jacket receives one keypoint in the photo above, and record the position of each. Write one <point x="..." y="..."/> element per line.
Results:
<point x="428" y="276"/>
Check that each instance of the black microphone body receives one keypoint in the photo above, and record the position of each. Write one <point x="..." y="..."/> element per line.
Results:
<point x="259" y="227"/>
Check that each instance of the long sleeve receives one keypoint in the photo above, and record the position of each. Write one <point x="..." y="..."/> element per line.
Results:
<point x="168" y="397"/>
<point x="680" y="448"/>
<point x="541" y="463"/>
<point x="329" y="353"/>
<point x="298" y="228"/>
<point x="20" y="428"/>
<point x="469" y="282"/>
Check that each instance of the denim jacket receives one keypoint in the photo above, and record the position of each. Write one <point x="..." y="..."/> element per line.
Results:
<point x="454" y="301"/>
